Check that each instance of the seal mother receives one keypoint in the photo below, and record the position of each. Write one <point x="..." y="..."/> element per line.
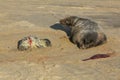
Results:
<point x="84" y="32"/>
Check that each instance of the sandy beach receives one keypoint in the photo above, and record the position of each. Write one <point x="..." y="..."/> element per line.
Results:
<point x="63" y="60"/>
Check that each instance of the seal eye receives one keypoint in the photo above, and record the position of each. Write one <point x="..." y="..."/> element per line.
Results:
<point x="67" y="22"/>
<point x="63" y="22"/>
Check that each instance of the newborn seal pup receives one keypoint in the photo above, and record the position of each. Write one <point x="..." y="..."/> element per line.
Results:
<point x="32" y="42"/>
<point x="84" y="32"/>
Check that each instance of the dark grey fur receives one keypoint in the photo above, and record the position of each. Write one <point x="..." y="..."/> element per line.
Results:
<point x="84" y="32"/>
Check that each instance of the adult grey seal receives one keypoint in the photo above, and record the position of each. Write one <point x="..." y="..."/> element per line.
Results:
<point x="84" y="32"/>
<point x="32" y="42"/>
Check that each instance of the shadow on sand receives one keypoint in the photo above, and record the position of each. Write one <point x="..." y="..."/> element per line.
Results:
<point x="58" y="26"/>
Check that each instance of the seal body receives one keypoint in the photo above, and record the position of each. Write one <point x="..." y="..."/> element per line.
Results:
<point x="32" y="42"/>
<point x="84" y="32"/>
